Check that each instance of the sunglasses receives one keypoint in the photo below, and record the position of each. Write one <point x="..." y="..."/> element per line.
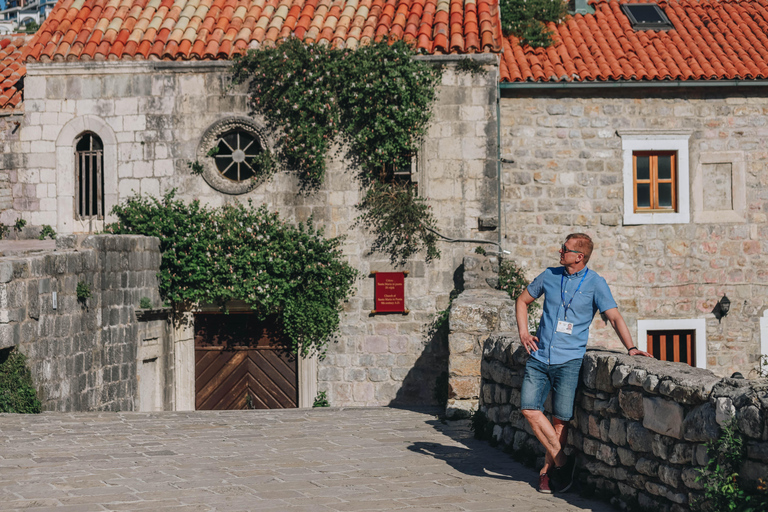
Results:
<point x="565" y="249"/>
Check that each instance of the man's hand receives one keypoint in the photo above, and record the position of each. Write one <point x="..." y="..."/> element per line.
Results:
<point x="521" y="313"/>
<point x="634" y="351"/>
<point x="529" y="342"/>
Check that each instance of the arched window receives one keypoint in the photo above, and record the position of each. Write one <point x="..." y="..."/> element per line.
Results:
<point x="89" y="175"/>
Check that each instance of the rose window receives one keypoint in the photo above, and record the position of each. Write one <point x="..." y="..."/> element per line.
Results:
<point x="236" y="151"/>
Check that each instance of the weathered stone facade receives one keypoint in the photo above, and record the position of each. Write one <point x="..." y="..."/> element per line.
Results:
<point x="84" y="354"/>
<point x="640" y="425"/>
<point x="151" y="118"/>
<point x="566" y="175"/>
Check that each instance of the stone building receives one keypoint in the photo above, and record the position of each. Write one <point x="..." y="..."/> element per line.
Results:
<point x="143" y="92"/>
<point x="582" y="121"/>
<point x="144" y="86"/>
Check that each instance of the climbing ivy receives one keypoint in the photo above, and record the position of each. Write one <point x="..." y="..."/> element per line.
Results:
<point x="375" y="100"/>
<point x="526" y="19"/>
<point x="240" y="252"/>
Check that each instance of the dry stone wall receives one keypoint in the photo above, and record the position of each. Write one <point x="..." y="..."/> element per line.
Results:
<point x="82" y="353"/>
<point x="640" y="425"/>
<point x="564" y="174"/>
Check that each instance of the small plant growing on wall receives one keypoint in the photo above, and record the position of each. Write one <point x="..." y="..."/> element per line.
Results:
<point x="17" y="393"/>
<point x="512" y="280"/>
<point x="145" y="303"/>
<point x="321" y="400"/>
<point x="47" y="232"/>
<point x="19" y="224"/>
<point x="83" y="291"/>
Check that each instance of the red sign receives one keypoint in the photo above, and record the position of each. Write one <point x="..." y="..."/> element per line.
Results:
<point x="390" y="292"/>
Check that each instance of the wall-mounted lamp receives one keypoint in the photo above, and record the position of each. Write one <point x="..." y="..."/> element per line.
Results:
<point x="722" y="308"/>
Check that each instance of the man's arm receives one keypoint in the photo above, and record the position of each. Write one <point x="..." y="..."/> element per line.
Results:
<point x="521" y="313"/>
<point x="620" y="326"/>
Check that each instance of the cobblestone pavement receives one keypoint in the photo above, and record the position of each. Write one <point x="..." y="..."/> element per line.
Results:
<point x="339" y="459"/>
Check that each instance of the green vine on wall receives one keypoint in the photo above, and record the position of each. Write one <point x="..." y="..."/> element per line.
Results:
<point x="377" y="100"/>
<point x="17" y="392"/>
<point x="526" y="19"/>
<point x="240" y="252"/>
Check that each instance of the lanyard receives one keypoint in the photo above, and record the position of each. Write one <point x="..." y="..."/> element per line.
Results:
<point x="562" y="291"/>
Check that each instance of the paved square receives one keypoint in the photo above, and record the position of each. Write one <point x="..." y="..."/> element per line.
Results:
<point x="343" y="459"/>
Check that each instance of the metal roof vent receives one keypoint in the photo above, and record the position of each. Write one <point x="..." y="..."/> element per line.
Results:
<point x="646" y="17"/>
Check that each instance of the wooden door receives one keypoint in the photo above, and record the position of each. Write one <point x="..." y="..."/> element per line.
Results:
<point x="242" y="363"/>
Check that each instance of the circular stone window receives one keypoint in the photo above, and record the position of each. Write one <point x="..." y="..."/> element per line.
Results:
<point x="229" y="153"/>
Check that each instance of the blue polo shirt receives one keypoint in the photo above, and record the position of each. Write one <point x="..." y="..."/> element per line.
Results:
<point x="559" y="289"/>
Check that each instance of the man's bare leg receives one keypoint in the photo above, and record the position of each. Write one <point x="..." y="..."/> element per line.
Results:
<point x="548" y="436"/>
<point x="561" y="429"/>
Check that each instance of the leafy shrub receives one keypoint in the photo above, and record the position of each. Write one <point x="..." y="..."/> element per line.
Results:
<point x="145" y="303"/>
<point x="377" y="99"/>
<point x="19" y="224"/>
<point x="526" y="19"/>
<point x="215" y="255"/>
<point x="722" y="491"/>
<point x="17" y="394"/>
<point x="4" y="230"/>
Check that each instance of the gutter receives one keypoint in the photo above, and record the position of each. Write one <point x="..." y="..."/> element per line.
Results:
<point x="631" y="84"/>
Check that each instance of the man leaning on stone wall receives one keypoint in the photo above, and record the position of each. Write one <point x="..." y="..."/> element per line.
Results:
<point x="572" y="295"/>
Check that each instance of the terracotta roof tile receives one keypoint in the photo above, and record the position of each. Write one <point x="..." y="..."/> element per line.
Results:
<point x="710" y="40"/>
<point x="215" y="29"/>
<point x="13" y="52"/>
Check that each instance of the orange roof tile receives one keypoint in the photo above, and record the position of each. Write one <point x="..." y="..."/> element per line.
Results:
<point x="216" y="29"/>
<point x="12" y="69"/>
<point x="710" y="40"/>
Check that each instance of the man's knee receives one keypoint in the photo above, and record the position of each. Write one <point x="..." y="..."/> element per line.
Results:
<point x="530" y="414"/>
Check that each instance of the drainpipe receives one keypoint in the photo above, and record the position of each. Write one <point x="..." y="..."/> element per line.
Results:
<point x="498" y="155"/>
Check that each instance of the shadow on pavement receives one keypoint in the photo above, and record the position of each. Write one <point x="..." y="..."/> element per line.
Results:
<point x="464" y="460"/>
<point x="479" y="458"/>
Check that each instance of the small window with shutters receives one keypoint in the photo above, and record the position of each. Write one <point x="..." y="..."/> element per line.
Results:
<point x="89" y="175"/>
<point x="678" y="346"/>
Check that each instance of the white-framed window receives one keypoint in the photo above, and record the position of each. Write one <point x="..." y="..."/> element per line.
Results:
<point x="656" y="177"/>
<point x="678" y="339"/>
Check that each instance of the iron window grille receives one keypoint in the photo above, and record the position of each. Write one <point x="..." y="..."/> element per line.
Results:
<point x="89" y="186"/>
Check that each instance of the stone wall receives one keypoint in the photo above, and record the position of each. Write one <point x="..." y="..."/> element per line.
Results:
<point x="640" y="425"/>
<point x="83" y="353"/>
<point x="566" y="176"/>
<point x="152" y="118"/>
<point x="477" y="312"/>
<point x="11" y="157"/>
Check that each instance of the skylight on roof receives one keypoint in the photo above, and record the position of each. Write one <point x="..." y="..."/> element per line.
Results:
<point x="646" y="17"/>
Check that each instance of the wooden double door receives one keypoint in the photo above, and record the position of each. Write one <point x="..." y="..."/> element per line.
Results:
<point x="242" y="363"/>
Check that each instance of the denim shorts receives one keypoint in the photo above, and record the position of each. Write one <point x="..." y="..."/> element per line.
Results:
<point x="561" y="378"/>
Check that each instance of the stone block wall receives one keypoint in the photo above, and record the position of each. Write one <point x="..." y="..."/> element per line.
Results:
<point x="565" y="176"/>
<point x="477" y="312"/>
<point x="640" y="425"/>
<point x="11" y="159"/>
<point x="152" y="117"/>
<point x="82" y="353"/>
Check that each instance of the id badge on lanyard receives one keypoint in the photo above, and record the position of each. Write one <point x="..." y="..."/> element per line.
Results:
<point x="564" y="326"/>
